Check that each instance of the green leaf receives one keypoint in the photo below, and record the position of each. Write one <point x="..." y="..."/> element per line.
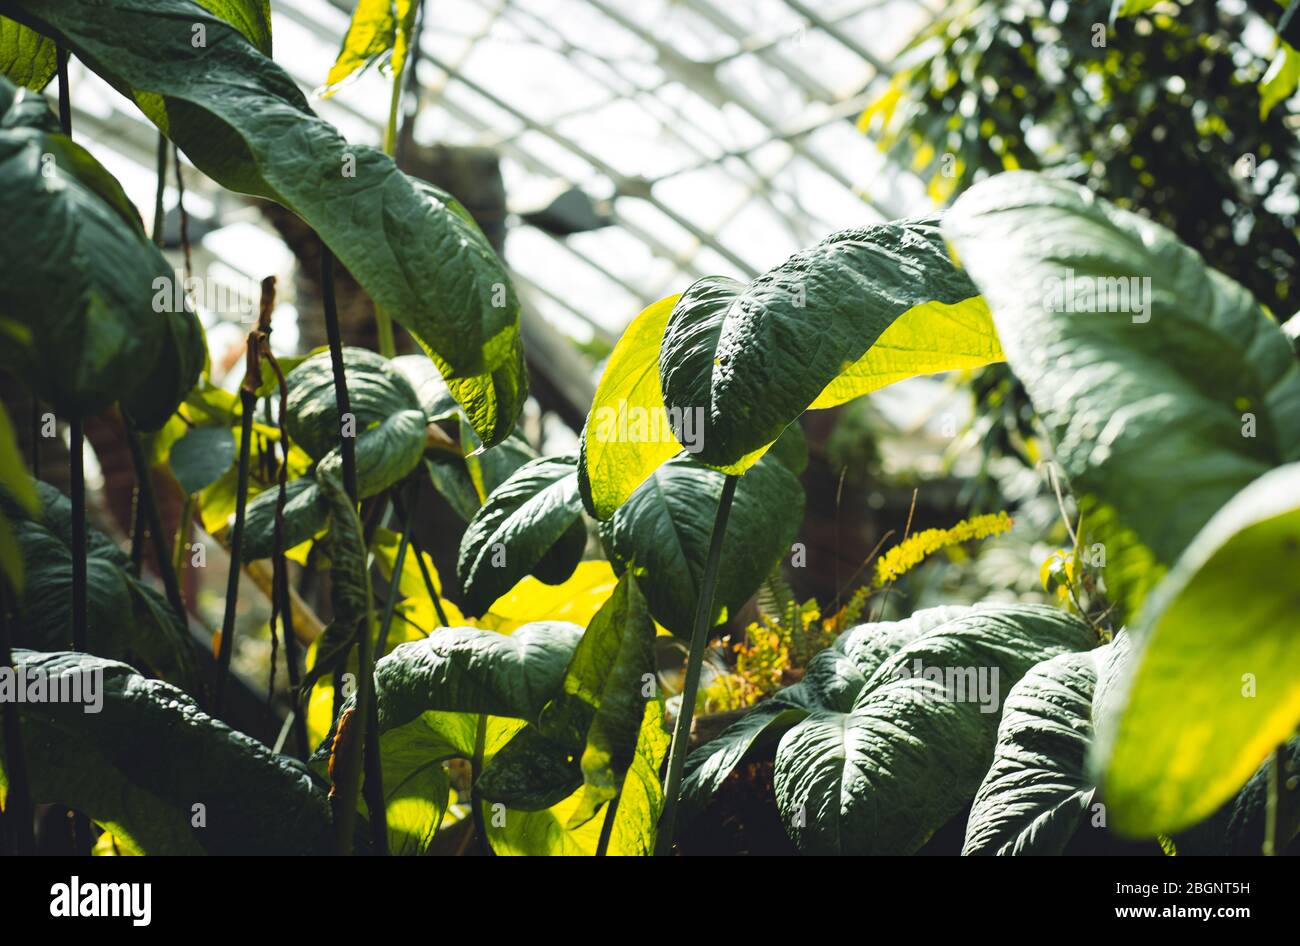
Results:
<point x="635" y="816"/>
<point x="886" y="755"/>
<point x="119" y="767"/>
<point x="662" y="535"/>
<point x="627" y="436"/>
<point x="26" y="57"/>
<point x="200" y="457"/>
<point x="1280" y="82"/>
<point x="745" y="360"/>
<point x="1038" y="790"/>
<point x="489" y="468"/>
<point x="76" y="274"/>
<point x="530" y="773"/>
<point x="521" y="521"/>
<point x="466" y="670"/>
<point x="376" y="391"/>
<point x="126" y="620"/>
<point x="600" y="708"/>
<point x="412" y="247"/>
<point x="833" y="678"/>
<point x="1183" y="372"/>
<point x="305" y="515"/>
<point x="16" y="486"/>
<point x="1216" y="683"/>
<point x="379" y="29"/>
<point x="250" y="17"/>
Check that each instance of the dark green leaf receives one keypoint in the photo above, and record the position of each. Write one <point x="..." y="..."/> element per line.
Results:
<point x="662" y="535"/>
<point x="1183" y="371"/>
<point x="521" y="521"/>
<point x="244" y="123"/>
<point x="200" y="457"/>
<point x="76" y="277"/>
<point x="120" y="767"/>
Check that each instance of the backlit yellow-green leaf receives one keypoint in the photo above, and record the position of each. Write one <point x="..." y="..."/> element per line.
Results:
<point x="627" y="435"/>
<point x="1217" y="681"/>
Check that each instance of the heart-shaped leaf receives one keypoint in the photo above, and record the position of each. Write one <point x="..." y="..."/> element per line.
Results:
<point x="662" y="535"/>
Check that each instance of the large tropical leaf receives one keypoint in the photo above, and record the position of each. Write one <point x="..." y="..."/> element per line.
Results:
<point x="891" y="730"/>
<point x="119" y="767"/>
<point x="587" y="734"/>
<point x="126" y="619"/>
<point x="662" y="536"/>
<point x="1039" y="794"/>
<point x="243" y="122"/>
<point x="77" y="275"/>
<point x="526" y="521"/>
<point x="750" y="358"/>
<point x="1216" y="684"/>
<point x="1163" y="384"/>
<point x="736" y="363"/>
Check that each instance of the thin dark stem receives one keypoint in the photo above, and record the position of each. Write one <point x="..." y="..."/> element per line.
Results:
<point x="347" y="445"/>
<point x="181" y="215"/>
<point x="1282" y="814"/>
<point x="77" y="470"/>
<point x="138" y="529"/>
<point x="424" y="570"/>
<point x="18" y="805"/>
<point x="65" y="99"/>
<point x="149" y="504"/>
<point x="607" y="829"/>
<point x="475" y="801"/>
<point x="395" y="585"/>
<point x="36" y="438"/>
<point x="248" y="400"/>
<point x="694" y="664"/>
<point x="159" y="212"/>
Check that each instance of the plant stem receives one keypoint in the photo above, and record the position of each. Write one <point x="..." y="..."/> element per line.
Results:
<point x="182" y="538"/>
<point x="147" y="501"/>
<point x="18" y="805"/>
<point x="475" y="802"/>
<point x="248" y="401"/>
<point x="77" y="471"/>
<point x="607" y="829"/>
<point x="694" y="664"/>
<point x="395" y="585"/>
<point x="347" y="445"/>
<point x="159" y="212"/>
<point x="424" y="568"/>
<point x="1282" y="816"/>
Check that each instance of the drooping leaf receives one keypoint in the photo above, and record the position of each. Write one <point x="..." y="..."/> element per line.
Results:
<point x="126" y="619"/>
<point x="77" y="275"/>
<point x="1216" y="683"/>
<point x="412" y="247"/>
<point x="1038" y="790"/>
<point x="601" y="705"/>
<point x="522" y="520"/>
<point x="376" y="392"/>
<point x="119" y="767"/>
<point x="200" y="457"/>
<point x="662" y="536"/>
<point x="747" y="359"/>
<point x="1139" y="358"/>
<point x="250" y="17"/>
